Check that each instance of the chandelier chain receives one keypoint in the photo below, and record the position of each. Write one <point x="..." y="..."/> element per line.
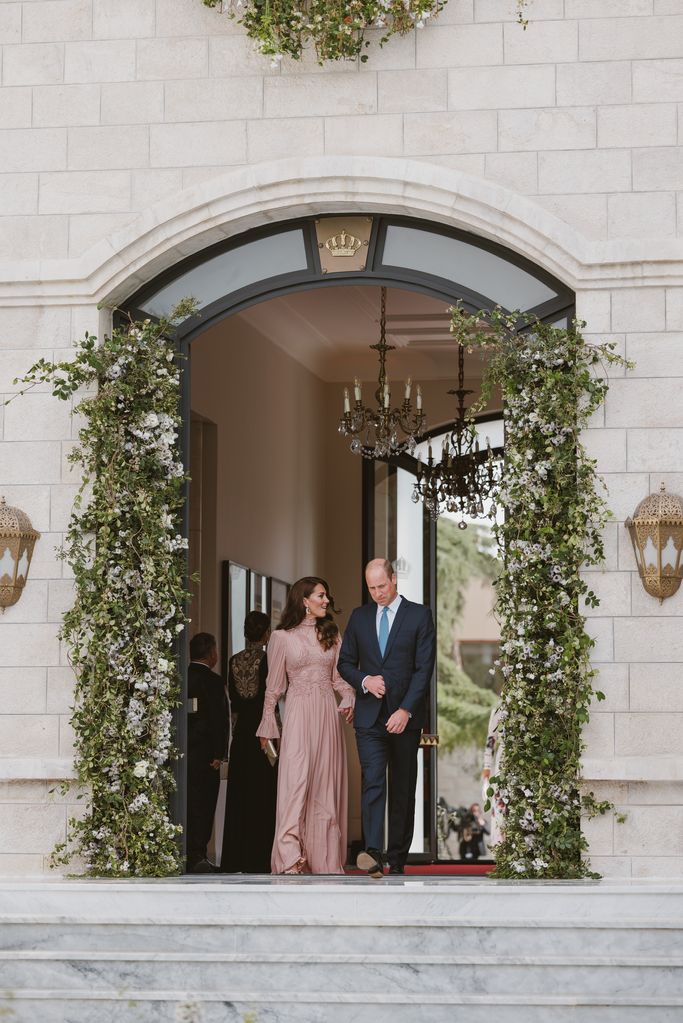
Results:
<point x="382" y="431"/>
<point x="464" y="478"/>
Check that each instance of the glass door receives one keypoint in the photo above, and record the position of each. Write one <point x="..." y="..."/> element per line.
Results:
<point x="468" y="679"/>
<point x="402" y="531"/>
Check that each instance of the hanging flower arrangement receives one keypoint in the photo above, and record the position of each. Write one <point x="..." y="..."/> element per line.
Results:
<point x="335" y="28"/>
<point x="126" y="550"/>
<point x="552" y="381"/>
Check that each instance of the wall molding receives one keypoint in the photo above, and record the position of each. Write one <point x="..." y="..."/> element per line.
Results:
<point x="253" y="196"/>
<point x="37" y="769"/>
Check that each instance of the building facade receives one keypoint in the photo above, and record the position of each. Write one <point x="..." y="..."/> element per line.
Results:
<point x="136" y="134"/>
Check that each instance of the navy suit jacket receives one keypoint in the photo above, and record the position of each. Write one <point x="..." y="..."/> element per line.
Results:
<point x="406" y="667"/>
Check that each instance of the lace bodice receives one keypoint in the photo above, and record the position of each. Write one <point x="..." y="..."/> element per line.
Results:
<point x="245" y="670"/>
<point x="297" y="665"/>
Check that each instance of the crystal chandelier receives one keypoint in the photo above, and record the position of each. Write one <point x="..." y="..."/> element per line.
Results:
<point x="465" y="476"/>
<point x="384" y="431"/>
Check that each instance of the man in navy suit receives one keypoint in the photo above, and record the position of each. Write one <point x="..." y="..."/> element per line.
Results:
<point x="208" y="734"/>
<point x="388" y="657"/>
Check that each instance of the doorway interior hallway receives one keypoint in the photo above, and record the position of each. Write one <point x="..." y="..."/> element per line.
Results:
<point x="280" y="330"/>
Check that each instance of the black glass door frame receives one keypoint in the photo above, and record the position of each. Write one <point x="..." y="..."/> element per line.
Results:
<point x="409" y="464"/>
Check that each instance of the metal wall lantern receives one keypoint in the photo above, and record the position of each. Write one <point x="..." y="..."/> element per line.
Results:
<point x="656" y="531"/>
<point x="17" y="540"/>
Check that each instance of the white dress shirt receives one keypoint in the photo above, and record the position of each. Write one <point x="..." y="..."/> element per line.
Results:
<point x="391" y="614"/>
<point x="392" y="609"/>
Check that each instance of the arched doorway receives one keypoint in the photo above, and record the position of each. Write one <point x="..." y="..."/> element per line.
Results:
<point x="249" y="274"/>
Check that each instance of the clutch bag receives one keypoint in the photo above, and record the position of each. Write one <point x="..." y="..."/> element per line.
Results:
<point x="271" y="752"/>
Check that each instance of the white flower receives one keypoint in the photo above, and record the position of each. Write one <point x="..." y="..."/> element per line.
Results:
<point x="141" y="768"/>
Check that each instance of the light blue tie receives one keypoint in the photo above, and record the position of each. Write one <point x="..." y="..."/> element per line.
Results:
<point x="383" y="630"/>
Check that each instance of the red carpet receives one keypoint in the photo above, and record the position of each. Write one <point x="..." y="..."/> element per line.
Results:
<point x="444" y="869"/>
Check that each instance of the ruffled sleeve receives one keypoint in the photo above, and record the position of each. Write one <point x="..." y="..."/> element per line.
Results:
<point x="347" y="692"/>
<point x="276" y="685"/>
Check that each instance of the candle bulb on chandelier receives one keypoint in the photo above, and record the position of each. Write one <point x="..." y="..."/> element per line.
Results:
<point x="380" y="431"/>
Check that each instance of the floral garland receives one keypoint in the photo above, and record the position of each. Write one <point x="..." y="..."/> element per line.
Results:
<point x="335" y="28"/>
<point x="551" y="383"/>
<point x="125" y="548"/>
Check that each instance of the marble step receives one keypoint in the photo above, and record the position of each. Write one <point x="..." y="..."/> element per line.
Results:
<point x="340" y="950"/>
<point x="177" y="1006"/>
<point x="356" y="899"/>
<point x="532" y="937"/>
<point x="339" y="973"/>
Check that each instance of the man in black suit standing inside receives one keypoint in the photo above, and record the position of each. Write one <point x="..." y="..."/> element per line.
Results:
<point x="388" y="657"/>
<point x="208" y="731"/>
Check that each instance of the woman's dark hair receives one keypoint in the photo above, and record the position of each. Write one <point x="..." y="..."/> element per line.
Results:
<point x="256" y="624"/>
<point x="295" y="610"/>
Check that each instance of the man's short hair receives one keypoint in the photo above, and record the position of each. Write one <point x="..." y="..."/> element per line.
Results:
<point x="388" y="568"/>
<point x="202" y="646"/>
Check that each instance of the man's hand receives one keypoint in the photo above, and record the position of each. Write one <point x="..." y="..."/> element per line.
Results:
<point x="375" y="685"/>
<point x="215" y="764"/>
<point x="398" y="721"/>
<point x="347" y="714"/>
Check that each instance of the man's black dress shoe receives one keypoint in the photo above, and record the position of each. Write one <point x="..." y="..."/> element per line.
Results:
<point x="395" y="869"/>
<point x="202" y="866"/>
<point x="371" y="861"/>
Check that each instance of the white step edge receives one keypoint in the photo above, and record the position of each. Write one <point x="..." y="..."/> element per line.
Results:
<point x="306" y="958"/>
<point x="528" y="923"/>
<point x="346" y="884"/>
<point x="331" y="998"/>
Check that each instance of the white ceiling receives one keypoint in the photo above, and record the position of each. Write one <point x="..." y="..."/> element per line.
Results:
<point x="329" y="330"/>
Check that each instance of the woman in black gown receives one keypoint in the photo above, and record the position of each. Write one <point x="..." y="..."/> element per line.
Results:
<point x="252" y="782"/>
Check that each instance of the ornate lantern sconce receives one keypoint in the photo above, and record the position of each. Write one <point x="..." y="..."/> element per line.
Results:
<point x="17" y="540"/>
<point x="656" y="531"/>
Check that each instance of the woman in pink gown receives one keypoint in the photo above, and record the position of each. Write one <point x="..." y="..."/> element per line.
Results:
<point x="310" y="825"/>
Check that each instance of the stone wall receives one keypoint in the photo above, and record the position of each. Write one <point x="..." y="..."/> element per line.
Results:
<point x="561" y="140"/>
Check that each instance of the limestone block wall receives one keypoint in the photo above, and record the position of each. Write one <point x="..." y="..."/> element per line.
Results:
<point x="110" y="112"/>
<point x="637" y="441"/>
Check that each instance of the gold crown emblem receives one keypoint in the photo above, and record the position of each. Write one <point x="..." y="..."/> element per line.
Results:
<point x="343" y="244"/>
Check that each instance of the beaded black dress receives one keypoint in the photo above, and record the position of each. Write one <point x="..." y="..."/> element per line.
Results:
<point x="252" y="782"/>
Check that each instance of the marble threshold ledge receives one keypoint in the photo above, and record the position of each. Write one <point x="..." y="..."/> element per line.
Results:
<point x="36" y="769"/>
<point x="656" y="768"/>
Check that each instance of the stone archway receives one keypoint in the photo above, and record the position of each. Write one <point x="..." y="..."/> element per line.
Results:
<point x="250" y="197"/>
<point x="266" y="193"/>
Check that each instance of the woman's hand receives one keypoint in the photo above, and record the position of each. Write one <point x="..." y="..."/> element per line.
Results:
<point x="264" y="742"/>
<point x="347" y="714"/>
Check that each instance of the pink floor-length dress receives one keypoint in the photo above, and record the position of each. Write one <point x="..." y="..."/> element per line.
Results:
<point x="312" y="776"/>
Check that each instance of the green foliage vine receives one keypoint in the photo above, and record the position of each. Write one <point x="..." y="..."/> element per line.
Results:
<point x="552" y="381"/>
<point x="336" y="29"/>
<point x="125" y="547"/>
